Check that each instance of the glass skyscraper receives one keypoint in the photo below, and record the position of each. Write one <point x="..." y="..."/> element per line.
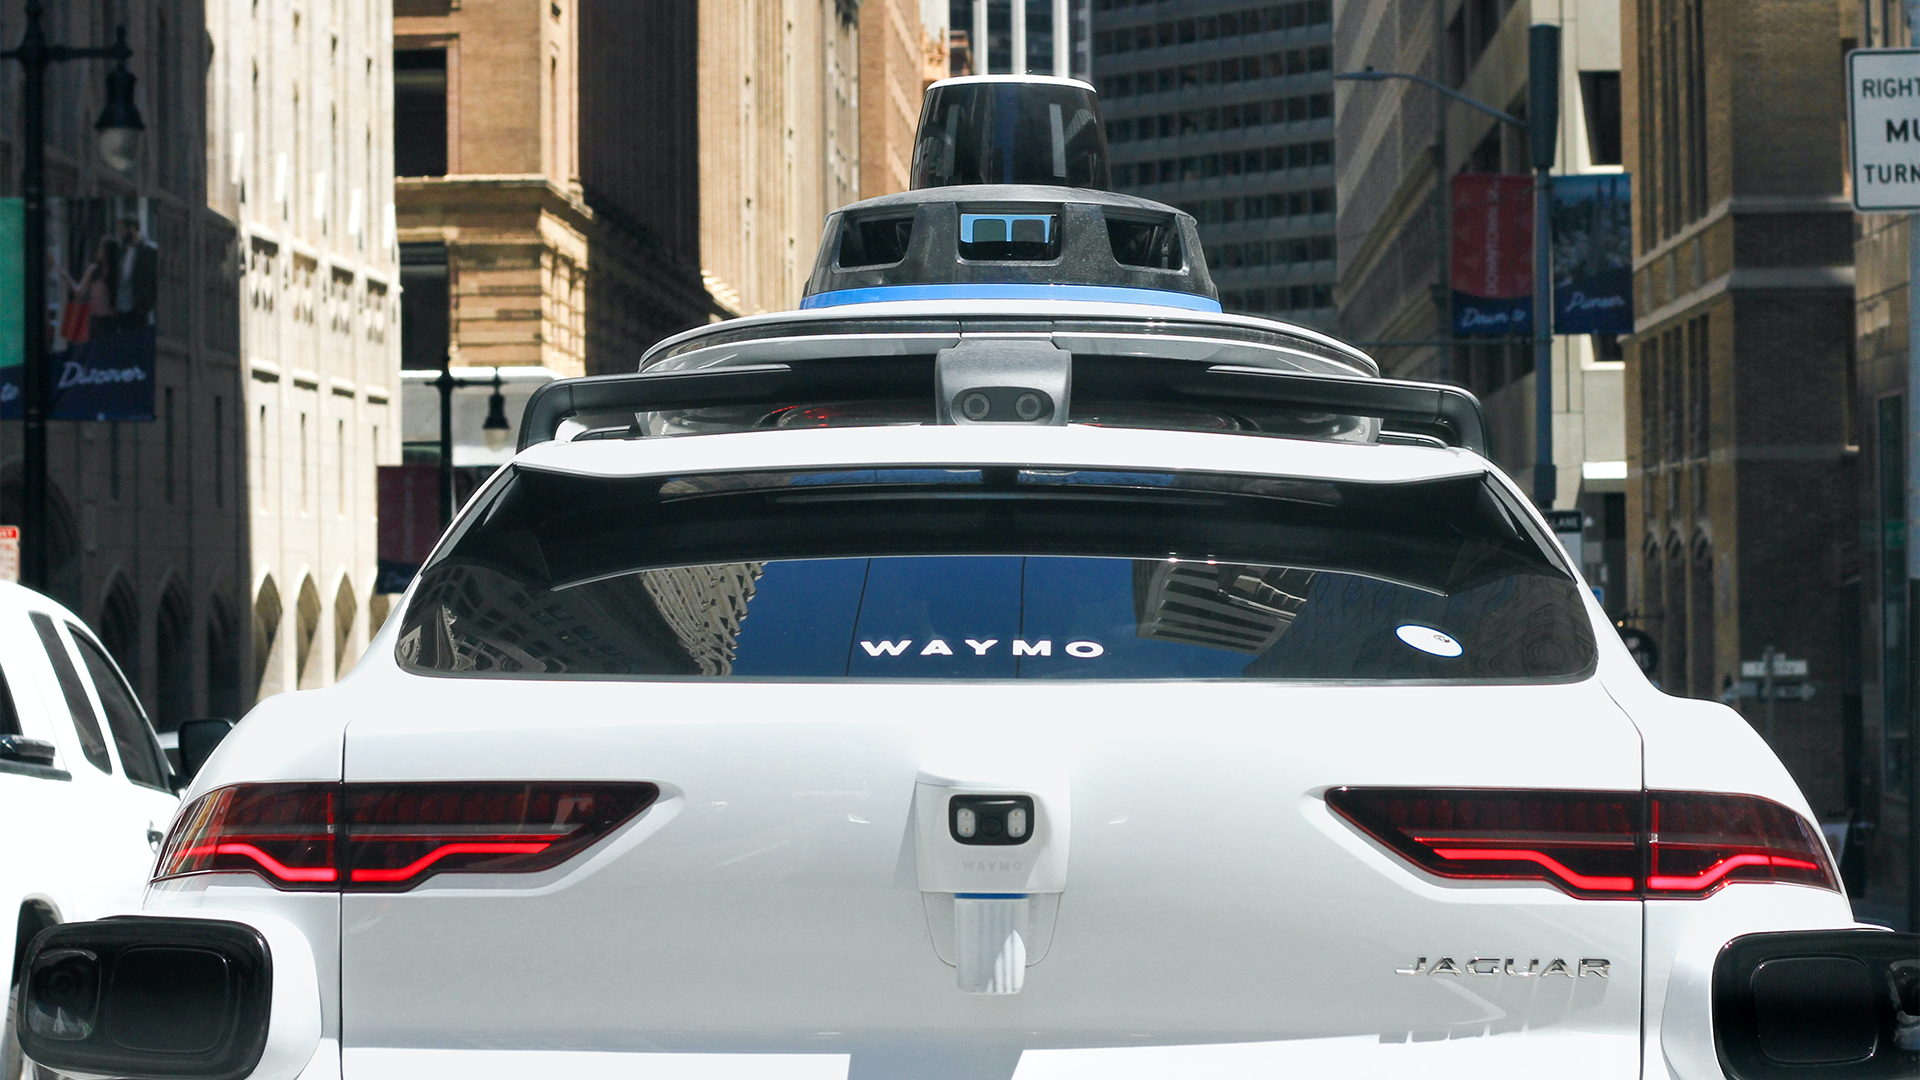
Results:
<point x="1226" y="111"/>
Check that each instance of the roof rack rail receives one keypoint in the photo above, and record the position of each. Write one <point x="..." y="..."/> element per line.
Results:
<point x="1446" y="412"/>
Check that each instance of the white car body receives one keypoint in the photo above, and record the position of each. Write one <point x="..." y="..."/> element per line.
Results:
<point x="78" y="836"/>
<point x="766" y="916"/>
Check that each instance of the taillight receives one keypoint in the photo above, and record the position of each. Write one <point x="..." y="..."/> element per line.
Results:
<point x="1593" y="844"/>
<point x="283" y="832"/>
<point x="390" y="837"/>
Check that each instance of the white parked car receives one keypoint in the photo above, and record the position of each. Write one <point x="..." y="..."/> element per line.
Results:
<point x="85" y="789"/>
<point x="1007" y="666"/>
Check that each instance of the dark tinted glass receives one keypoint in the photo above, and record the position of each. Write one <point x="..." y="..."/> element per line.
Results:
<point x="998" y="573"/>
<point x="874" y="241"/>
<point x="9" y="713"/>
<point x="85" y="724"/>
<point x="139" y="751"/>
<point x="1011" y="133"/>
<point x="1153" y="244"/>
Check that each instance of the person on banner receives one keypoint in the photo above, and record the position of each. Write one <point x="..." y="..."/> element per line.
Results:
<point x="90" y="303"/>
<point x="59" y="294"/>
<point x="138" y="285"/>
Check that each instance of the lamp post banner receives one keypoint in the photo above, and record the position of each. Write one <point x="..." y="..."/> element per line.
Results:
<point x="1492" y="255"/>
<point x="1592" y="238"/>
<point x="103" y="285"/>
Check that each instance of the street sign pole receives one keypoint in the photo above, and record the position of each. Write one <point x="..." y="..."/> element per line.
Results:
<point x="1766" y="690"/>
<point x="1543" y="127"/>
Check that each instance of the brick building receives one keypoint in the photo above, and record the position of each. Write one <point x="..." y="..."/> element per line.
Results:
<point x="903" y="47"/>
<point x="548" y="200"/>
<point x="149" y="520"/>
<point x="1743" y="440"/>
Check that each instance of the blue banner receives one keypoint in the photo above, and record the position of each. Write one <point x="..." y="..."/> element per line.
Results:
<point x="102" y="273"/>
<point x="108" y="377"/>
<point x="1592" y="220"/>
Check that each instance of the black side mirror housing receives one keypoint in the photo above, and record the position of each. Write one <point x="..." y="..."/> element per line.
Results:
<point x="1837" y="1004"/>
<point x="198" y="738"/>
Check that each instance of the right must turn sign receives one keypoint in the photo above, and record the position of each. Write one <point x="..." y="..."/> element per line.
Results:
<point x="1883" y="123"/>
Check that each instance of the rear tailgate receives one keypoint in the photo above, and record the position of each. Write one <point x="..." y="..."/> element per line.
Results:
<point x="768" y="903"/>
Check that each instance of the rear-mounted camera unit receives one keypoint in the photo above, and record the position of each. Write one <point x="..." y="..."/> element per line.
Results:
<point x="1003" y="382"/>
<point x="990" y="819"/>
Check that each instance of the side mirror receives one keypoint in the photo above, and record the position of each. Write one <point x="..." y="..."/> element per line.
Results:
<point x="26" y="751"/>
<point x="1839" y="1004"/>
<point x="198" y="738"/>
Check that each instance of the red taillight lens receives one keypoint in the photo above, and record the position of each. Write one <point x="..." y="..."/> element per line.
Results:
<point x="283" y="832"/>
<point x="1701" y="842"/>
<point x="393" y="836"/>
<point x="1592" y="844"/>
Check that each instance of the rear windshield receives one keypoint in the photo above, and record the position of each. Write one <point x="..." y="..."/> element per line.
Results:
<point x="996" y="573"/>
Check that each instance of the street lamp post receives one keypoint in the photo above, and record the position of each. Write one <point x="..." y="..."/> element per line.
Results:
<point x="119" y="128"/>
<point x="1541" y="125"/>
<point x="496" y="429"/>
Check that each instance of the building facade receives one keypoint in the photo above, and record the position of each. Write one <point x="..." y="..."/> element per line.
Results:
<point x="547" y="200"/>
<point x="1878" y="732"/>
<point x="903" y="48"/>
<point x="1743" y="439"/>
<point x="1395" y="204"/>
<point x="1226" y="111"/>
<point x="780" y="121"/>
<point x="993" y="21"/>
<point x="299" y="154"/>
<point x="148" y="519"/>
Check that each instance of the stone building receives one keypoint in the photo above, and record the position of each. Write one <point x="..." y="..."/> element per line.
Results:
<point x="1394" y="224"/>
<point x="547" y="197"/>
<point x="779" y="138"/>
<point x="149" y="519"/>
<point x="299" y="153"/>
<point x="1743" y="437"/>
<point x="1225" y="109"/>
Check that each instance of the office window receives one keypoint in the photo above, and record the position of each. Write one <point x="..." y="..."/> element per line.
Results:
<point x="425" y="306"/>
<point x="1600" y="99"/>
<point x="420" y="112"/>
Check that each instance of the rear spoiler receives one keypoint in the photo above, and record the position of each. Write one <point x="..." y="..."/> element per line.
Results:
<point x="1447" y="413"/>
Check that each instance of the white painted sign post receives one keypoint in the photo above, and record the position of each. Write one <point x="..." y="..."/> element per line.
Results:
<point x="1883" y="126"/>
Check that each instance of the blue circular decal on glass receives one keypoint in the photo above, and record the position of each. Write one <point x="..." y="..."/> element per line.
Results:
<point x="1429" y="640"/>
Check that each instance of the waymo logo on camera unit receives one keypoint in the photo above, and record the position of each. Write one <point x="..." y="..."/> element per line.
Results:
<point x="1079" y="650"/>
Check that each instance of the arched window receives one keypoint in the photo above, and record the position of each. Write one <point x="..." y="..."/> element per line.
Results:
<point x="1673" y="628"/>
<point x="1700" y="646"/>
<point x="223" y="661"/>
<point x="266" y="630"/>
<point x="306" y="627"/>
<point x="173" y="656"/>
<point x="345" y="607"/>
<point x="120" y="627"/>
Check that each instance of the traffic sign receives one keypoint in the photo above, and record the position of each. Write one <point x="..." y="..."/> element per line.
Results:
<point x="1783" y="668"/>
<point x="10" y="553"/>
<point x="1883" y="125"/>
<point x="1793" y="691"/>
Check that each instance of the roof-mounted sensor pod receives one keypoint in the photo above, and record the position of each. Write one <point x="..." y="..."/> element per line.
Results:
<point x="1010" y="130"/>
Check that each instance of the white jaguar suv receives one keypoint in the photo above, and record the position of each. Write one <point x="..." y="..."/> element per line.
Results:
<point x="1008" y="666"/>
